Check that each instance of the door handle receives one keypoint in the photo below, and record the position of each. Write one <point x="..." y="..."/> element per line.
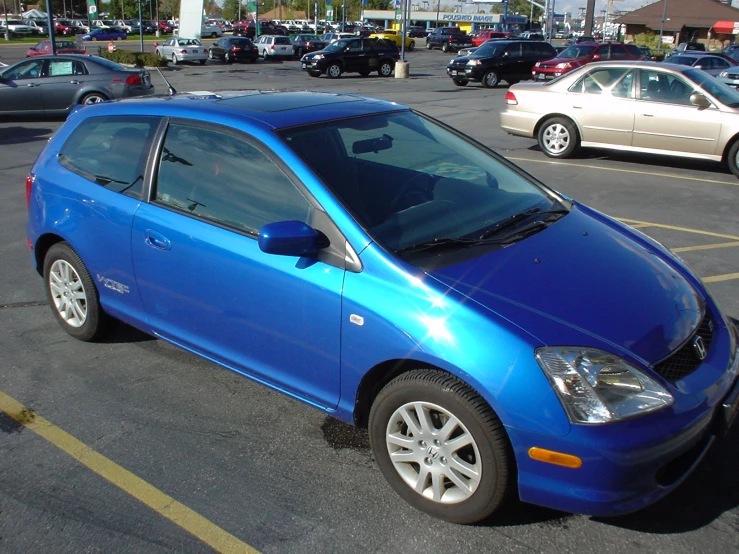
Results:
<point x="648" y="115"/>
<point x="75" y="82"/>
<point x="577" y="107"/>
<point x="156" y="240"/>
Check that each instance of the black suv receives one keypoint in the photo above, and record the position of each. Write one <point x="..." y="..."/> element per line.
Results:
<point x="352" y="55"/>
<point x="509" y="60"/>
<point x="448" y="39"/>
<point x="233" y="49"/>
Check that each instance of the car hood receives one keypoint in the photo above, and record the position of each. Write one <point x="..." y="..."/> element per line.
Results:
<point x="555" y="61"/>
<point x="584" y="278"/>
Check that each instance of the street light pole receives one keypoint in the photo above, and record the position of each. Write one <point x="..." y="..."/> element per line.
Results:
<point x="662" y="24"/>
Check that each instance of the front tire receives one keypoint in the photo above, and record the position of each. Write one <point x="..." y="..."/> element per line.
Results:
<point x="334" y="71"/>
<point x="558" y="137"/>
<point x="490" y="79"/>
<point x="460" y="82"/>
<point x="416" y="426"/>
<point x="72" y="294"/>
<point x="733" y="158"/>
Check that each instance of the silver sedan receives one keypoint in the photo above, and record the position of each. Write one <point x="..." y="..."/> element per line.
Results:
<point x="179" y="49"/>
<point x="631" y="106"/>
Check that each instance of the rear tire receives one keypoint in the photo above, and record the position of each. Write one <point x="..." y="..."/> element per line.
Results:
<point x="428" y="46"/>
<point x="445" y="47"/>
<point x="412" y="45"/>
<point x="202" y="62"/>
<point x="733" y="158"/>
<point x="423" y="464"/>
<point x="385" y="69"/>
<point x="558" y="137"/>
<point x="72" y="295"/>
<point x="174" y="59"/>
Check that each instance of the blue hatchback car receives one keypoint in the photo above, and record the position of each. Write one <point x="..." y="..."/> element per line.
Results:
<point x="106" y="33"/>
<point x="497" y="338"/>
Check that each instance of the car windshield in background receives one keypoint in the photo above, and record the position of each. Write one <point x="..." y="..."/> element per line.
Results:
<point x="575" y="52"/>
<point x="488" y="50"/>
<point x="683" y="60"/>
<point x="721" y="92"/>
<point x="451" y="191"/>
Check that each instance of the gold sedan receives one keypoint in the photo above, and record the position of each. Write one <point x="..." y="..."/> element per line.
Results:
<point x="632" y="106"/>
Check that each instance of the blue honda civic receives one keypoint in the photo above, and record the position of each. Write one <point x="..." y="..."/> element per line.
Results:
<point x="498" y="339"/>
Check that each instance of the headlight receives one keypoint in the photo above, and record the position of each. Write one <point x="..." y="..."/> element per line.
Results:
<point x="537" y="64"/>
<point x="563" y="65"/>
<point x="473" y="62"/>
<point x="317" y="57"/>
<point x="723" y="74"/>
<point x="598" y="387"/>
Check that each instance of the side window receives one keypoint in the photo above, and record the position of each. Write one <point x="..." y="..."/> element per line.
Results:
<point x="619" y="52"/>
<point x="63" y="68"/>
<point x="604" y="52"/>
<point x="111" y="151"/>
<point x="530" y="49"/>
<point x="664" y="87"/>
<point x="718" y="63"/>
<point x="28" y="70"/>
<point x="224" y="179"/>
<point x="634" y="51"/>
<point x="355" y="46"/>
<point x="606" y="80"/>
<point x="513" y="50"/>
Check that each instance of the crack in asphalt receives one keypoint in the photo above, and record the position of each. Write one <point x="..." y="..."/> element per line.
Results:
<point x="31" y="304"/>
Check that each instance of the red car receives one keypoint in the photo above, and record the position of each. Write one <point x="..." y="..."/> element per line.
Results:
<point x="62" y="47"/>
<point x="483" y="36"/>
<point x="578" y="55"/>
<point x="164" y="27"/>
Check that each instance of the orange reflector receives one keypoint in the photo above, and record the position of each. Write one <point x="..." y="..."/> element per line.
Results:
<point x="556" y="458"/>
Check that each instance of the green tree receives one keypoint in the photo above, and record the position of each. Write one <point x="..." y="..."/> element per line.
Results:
<point x="169" y="9"/>
<point x="231" y="10"/>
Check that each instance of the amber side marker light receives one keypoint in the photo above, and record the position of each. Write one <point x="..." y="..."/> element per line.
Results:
<point x="556" y="458"/>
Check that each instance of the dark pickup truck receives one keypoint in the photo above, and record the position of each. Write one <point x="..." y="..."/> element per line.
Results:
<point x="448" y="39"/>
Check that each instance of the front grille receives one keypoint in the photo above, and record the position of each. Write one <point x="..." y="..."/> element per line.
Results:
<point x="685" y="361"/>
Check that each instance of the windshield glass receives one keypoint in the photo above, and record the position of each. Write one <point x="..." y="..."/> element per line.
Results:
<point x="488" y="50"/>
<point x="408" y="180"/>
<point x="577" y="51"/>
<point x="721" y="92"/>
<point x="338" y="45"/>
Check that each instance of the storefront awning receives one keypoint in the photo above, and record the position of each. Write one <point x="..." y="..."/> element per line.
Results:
<point x="726" y="27"/>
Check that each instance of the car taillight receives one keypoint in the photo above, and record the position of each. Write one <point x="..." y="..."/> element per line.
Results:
<point x="510" y="98"/>
<point x="183" y="51"/>
<point x="272" y="47"/>
<point x="133" y="79"/>
<point x="235" y="49"/>
<point x="29" y="186"/>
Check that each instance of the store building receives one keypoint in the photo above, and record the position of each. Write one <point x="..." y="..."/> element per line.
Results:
<point x="466" y="21"/>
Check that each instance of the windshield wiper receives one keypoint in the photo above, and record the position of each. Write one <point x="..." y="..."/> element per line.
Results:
<point x="439" y="242"/>
<point x="506" y="223"/>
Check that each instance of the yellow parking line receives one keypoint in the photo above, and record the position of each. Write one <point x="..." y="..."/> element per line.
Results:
<point x="674" y="228"/>
<point x="640" y="225"/>
<point x="705" y="247"/>
<point x="602" y="168"/>
<point x="177" y="513"/>
<point x="718" y="278"/>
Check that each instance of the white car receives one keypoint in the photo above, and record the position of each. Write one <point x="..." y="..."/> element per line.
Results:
<point x="179" y="49"/>
<point x="210" y="30"/>
<point x="274" y="46"/>
<point x="18" y="27"/>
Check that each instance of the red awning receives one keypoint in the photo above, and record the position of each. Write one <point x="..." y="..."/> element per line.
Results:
<point x="726" y="27"/>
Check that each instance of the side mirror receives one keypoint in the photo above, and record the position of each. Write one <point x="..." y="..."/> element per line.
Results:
<point x="288" y="238"/>
<point x="697" y="99"/>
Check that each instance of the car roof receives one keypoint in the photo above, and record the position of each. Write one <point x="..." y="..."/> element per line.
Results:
<point x="275" y="109"/>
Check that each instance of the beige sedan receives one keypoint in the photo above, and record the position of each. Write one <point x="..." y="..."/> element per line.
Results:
<point x="631" y="106"/>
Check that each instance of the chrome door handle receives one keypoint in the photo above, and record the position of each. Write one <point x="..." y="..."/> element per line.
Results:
<point x="75" y="82"/>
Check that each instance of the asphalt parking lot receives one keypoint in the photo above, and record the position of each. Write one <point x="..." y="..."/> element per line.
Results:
<point x="132" y="445"/>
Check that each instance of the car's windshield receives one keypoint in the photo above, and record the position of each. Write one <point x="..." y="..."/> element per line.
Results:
<point x="576" y="51"/>
<point x="720" y="91"/>
<point x="489" y="50"/>
<point x="408" y="180"/>
<point x="338" y="45"/>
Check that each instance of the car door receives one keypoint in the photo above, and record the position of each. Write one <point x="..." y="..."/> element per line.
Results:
<point x="218" y="48"/>
<point x="602" y="103"/>
<point x="666" y="120"/>
<point x="20" y="88"/>
<point x="205" y="283"/>
<point x="63" y="79"/>
<point x="354" y="56"/>
<point x="512" y="64"/>
<point x="167" y="48"/>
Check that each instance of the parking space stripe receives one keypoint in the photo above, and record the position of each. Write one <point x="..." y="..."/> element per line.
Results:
<point x="631" y="223"/>
<point x="640" y="225"/>
<point x="165" y="505"/>
<point x="603" y="168"/>
<point x="719" y="278"/>
<point x="705" y="247"/>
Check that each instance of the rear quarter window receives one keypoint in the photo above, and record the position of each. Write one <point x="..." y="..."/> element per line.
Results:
<point x="111" y="151"/>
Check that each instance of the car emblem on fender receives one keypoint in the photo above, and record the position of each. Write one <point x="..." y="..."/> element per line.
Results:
<point x="699" y="347"/>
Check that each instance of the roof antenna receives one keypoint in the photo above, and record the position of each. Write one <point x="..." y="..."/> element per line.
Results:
<point x="172" y="91"/>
